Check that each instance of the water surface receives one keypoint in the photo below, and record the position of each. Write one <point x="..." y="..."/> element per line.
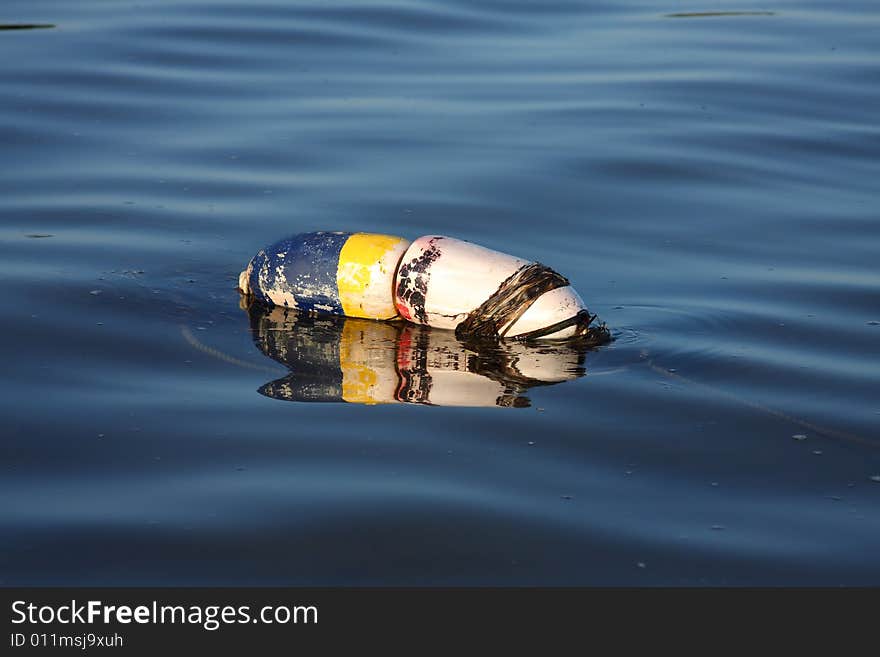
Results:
<point x="705" y="174"/>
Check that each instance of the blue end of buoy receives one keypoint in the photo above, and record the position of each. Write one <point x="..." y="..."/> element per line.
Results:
<point x="304" y="267"/>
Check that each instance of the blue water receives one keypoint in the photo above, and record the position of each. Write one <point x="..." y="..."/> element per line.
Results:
<point x="709" y="183"/>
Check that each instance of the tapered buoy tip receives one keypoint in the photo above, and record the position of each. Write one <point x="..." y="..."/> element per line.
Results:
<point x="243" y="278"/>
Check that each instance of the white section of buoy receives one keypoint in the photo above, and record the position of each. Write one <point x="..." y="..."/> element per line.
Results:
<point x="563" y="302"/>
<point x="441" y="280"/>
<point x="453" y="276"/>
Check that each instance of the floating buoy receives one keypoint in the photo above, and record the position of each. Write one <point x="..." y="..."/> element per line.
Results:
<point x="348" y="274"/>
<point x="342" y="359"/>
<point x="436" y="281"/>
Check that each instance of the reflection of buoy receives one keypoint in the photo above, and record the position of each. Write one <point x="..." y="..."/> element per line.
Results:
<point x="436" y="281"/>
<point x="337" y="273"/>
<point x="359" y="361"/>
<point x="436" y="368"/>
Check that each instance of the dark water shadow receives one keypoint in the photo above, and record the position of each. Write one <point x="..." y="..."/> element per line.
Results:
<point x="335" y="359"/>
<point x="27" y="26"/>
<point x="717" y="14"/>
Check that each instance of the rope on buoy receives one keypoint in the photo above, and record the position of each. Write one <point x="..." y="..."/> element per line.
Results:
<point x="219" y="355"/>
<point x="516" y="294"/>
<point x="594" y="336"/>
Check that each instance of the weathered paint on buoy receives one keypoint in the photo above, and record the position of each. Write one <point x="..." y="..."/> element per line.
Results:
<point x="333" y="272"/>
<point x="441" y="280"/>
<point x="359" y="361"/>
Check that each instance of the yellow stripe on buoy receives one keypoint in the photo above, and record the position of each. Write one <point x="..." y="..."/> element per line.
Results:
<point x="365" y="274"/>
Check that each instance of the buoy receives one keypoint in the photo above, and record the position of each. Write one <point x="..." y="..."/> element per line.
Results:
<point x="342" y="359"/>
<point x="338" y="273"/>
<point x="436" y="281"/>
